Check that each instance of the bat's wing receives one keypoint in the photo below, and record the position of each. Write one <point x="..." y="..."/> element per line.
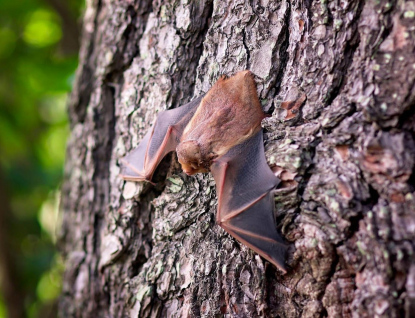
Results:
<point x="163" y="137"/>
<point x="245" y="204"/>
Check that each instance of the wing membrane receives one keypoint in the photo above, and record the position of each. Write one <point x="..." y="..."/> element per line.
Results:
<point x="245" y="208"/>
<point x="140" y="164"/>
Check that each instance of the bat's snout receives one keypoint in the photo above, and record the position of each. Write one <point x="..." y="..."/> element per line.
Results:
<point x="188" y="172"/>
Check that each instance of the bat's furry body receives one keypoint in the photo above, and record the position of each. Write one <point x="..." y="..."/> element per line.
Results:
<point x="221" y="133"/>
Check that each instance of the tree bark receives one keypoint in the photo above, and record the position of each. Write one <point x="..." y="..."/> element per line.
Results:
<point x="338" y="79"/>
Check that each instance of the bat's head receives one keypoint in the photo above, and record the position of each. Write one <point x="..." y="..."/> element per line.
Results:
<point x="190" y="157"/>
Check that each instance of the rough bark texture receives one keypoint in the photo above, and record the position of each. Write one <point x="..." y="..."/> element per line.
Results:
<point x="338" y="78"/>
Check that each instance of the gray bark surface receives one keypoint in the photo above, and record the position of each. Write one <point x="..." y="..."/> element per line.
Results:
<point x="338" y="78"/>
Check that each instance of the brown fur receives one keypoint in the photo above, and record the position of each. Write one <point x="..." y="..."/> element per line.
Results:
<point x="228" y="114"/>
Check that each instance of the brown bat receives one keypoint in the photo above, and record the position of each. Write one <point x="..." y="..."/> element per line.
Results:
<point x="220" y="132"/>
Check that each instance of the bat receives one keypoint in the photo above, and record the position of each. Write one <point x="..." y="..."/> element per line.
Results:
<point x="220" y="132"/>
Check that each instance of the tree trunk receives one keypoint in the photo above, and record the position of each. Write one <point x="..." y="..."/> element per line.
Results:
<point x="337" y="77"/>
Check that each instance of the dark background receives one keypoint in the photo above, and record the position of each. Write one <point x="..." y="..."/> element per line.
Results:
<point x="38" y="56"/>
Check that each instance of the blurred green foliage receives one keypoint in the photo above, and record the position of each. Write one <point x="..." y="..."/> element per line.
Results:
<point x="36" y="73"/>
